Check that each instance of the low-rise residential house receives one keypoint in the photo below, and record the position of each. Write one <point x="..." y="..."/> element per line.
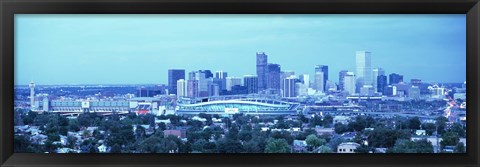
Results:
<point x="348" y="135"/>
<point x="324" y="131"/>
<point x="347" y="147"/>
<point x="39" y="139"/>
<point x="180" y="133"/>
<point x="299" y="146"/>
<point x="341" y="119"/>
<point x="420" y="132"/>
<point x="102" y="148"/>
<point x="380" y="150"/>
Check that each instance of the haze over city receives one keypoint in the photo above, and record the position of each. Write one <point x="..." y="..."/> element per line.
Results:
<point x="139" y="49"/>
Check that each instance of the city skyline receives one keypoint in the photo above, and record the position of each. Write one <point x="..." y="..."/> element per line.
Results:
<point x="121" y="63"/>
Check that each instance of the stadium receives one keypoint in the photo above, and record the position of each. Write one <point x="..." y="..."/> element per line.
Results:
<point x="248" y="106"/>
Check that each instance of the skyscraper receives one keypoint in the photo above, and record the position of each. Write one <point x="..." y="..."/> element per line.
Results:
<point x="289" y="86"/>
<point x="192" y="87"/>
<point x="173" y="76"/>
<point x="305" y="79"/>
<point x="32" y="95"/>
<point x="208" y="73"/>
<point x="251" y="82"/>
<point x="201" y="77"/>
<point x="319" y="81"/>
<point x="262" y="70"/>
<point x="181" y="85"/>
<point x="395" y="78"/>
<point x="381" y="83"/>
<point x="350" y="85"/>
<point x="221" y="74"/>
<point x="273" y="77"/>
<point x="324" y="70"/>
<point x="283" y="75"/>
<point x="233" y="81"/>
<point x="375" y="73"/>
<point x="341" y="80"/>
<point x="364" y="69"/>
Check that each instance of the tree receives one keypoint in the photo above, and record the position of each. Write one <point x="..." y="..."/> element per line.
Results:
<point x="340" y="128"/>
<point x="324" y="149"/>
<point x="71" y="140"/>
<point x="252" y="146"/>
<point x="334" y="142"/>
<point x="441" y="124"/>
<point x="327" y="121"/>
<point x="414" y="123"/>
<point x="382" y="137"/>
<point x="116" y="149"/>
<point x="198" y="145"/>
<point x="277" y="146"/>
<point x="429" y="128"/>
<point x="314" y="142"/>
<point x="407" y="146"/>
<point x="458" y="128"/>
<point x="449" y="139"/>
<point x="459" y="148"/>
<point x="73" y="125"/>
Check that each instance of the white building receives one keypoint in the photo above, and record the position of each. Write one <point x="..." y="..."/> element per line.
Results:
<point x="347" y="147"/>
<point x="181" y="88"/>
<point x="349" y="83"/>
<point x="364" y="68"/>
<point x="306" y="79"/>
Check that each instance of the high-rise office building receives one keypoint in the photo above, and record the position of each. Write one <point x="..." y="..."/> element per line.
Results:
<point x="32" y="95"/>
<point x="262" y="70"/>
<point x="324" y="70"/>
<point x="341" y="80"/>
<point x="416" y="82"/>
<point x="251" y="82"/>
<point x="305" y="79"/>
<point x="375" y="73"/>
<point x="221" y="74"/>
<point x="200" y="76"/>
<point x="350" y="85"/>
<point x="181" y="88"/>
<point x="364" y="69"/>
<point x="289" y="86"/>
<point x="319" y="81"/>
<point x="283" y="75"/>
<point x="192" y="88"/>
<point x="213" y="89"/>
<point x="173" y="76"/>
<point x="273" y="77"/>
<point x="395" y="78"/>
<point x="208" y="73"/>
<point x="381" y="83"/>
<point x="233" y="81"/>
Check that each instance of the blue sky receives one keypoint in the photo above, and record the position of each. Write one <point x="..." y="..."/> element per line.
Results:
<point x="139" y="49"/>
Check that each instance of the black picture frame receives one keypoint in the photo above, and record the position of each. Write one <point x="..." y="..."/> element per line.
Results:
<point x="10" y="7"/>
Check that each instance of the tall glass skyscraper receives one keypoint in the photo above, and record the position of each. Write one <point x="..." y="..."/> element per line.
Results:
<point x="376" y="72"/>
<point x="251" y="82"/>
<point x="262" y="70"/>
<point x="273" y="77"/>
<point x="364" y="69"/>
<point x="173" y="76"/>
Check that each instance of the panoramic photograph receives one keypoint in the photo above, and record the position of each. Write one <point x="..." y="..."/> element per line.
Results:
<point x="233" y="83"/>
